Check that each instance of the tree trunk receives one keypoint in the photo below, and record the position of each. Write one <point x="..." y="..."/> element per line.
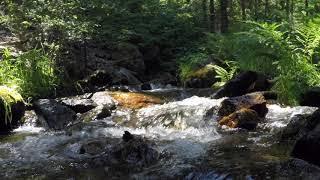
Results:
<point x="243" y="9"/>
<point x="266" y="10"/>
<point x="205" y="12"/>
<point x="224" y="16"/>
<point x="212" y="15"/>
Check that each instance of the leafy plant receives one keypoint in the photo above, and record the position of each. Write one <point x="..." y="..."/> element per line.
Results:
<point x="224" y="75"/>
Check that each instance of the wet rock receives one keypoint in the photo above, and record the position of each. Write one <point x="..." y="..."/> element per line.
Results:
<point x="243" y="118"/>
<point x="135" y="100"/>
<point x="146" y="86"/>
<point x="300" y="125"/>
<point x="79" y="105"/>
<point x="53" y="114"/>
<point x="244" y="83"/>
<point x="307" y="147"/>
<point x="93" y="147"/>
<point x="311" y="97"/>
<point x="103" y="99"/>
<point x="254" y="101"/>
<point x="17" y="111"/>
<point x="135" y="151"/>
<point x="97" y="113"/>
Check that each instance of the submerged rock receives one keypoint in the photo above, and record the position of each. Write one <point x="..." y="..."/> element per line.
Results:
<point x="136" y="151"/>
<point x="243" y="118"/>
<point x="53" y="114"/>
<point x="254" y="101"/>
<point x="244" y="83"/>
<point x="135" y="100"/>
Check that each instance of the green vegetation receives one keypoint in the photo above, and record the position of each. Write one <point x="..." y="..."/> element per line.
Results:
<point x="279" y="38"/>
<point x="9" y="96"/>
<point x="32" y="74"/>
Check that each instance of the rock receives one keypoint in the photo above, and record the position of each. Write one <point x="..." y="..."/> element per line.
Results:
<point x="146" y="86"/>
<point x="54" y="115"/>
<point x="300" y="125"/>
<point x="127" y="136"/>
<point x="135" y="151"/>
<point x="93" y="147"/>
<point x="243" y="118"/>
<point x="244" y="83"/>
<point x="307" y="146"/>
<point x="103" y="99"/>
<point x="201" y="78"/>
<point x="311" y="97"/>
<point x="135" y="100"/>
<point x="254" y="101"/>
<point x="17" y="111"/>
<point x="97" y="113"/>
<point x="128" y="56"/>
<point x="78" y="105"/>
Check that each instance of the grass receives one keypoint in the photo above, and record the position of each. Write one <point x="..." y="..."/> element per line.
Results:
<point x="32" y="74"/>
<point x="8" y="97"/>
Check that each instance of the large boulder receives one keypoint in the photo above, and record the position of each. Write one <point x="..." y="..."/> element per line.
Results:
<point x="54" y="115"/>
<point x="244" y="83"/>
<point x="253" y="101"/>
<point x="300" y="125"/>
<point x="243" y="118"/>
<point x="307" y="147"/>
<point x="311" y="97"/>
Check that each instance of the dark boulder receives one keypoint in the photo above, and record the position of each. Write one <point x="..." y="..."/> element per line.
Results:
<point x="17" y="112"/>
<point x="54" y="115"/>
<point x="299" y="126"/>
<point x="243" y="118"/>
<point x="244" y="83"/>
<point x="307" y="146"/>
<point x="311" y="97"/>
<point x="253" y="101"/>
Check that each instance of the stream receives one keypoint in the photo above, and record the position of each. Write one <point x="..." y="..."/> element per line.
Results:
<point x="185" y="132"/>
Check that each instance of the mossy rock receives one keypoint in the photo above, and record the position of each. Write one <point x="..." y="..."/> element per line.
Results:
<point x="12" y="109"/>
<point x="201" y="78"/>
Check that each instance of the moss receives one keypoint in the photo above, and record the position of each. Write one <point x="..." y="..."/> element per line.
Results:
<point x="8" y="97"/>
<point x="204" y="72"/>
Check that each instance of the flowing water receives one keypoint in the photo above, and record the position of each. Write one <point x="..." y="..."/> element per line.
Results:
<point x="185" y="132"/>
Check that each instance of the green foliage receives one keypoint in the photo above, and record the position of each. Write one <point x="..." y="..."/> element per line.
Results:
<point x="190" y="63"/>
<point x="32" y="74"/>
<point x="8" y="97"/>
<point x="224" y="75"/>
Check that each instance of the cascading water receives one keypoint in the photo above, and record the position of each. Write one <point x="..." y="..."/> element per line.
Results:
<point x="185" y="133"/>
